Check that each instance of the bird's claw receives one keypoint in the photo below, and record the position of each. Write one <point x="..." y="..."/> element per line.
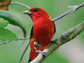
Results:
<point x="37" y="43"/>
<point x="41" y="52"/>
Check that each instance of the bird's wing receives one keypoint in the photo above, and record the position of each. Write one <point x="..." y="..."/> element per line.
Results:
<point x="54" y="27"/>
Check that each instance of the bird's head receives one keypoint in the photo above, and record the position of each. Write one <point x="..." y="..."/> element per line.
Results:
<point x="36" y="13"/>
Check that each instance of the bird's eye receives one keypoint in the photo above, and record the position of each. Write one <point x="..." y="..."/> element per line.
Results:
<point x="35" y="10"/>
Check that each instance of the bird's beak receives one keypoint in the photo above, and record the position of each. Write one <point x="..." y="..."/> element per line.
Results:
<point x="27" y="12"/>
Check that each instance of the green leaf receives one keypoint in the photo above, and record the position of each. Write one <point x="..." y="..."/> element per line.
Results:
<point x="3" y="23"/>
<point x="9" y="17"/>
<point x="12" y="19"/>
<point x="5" y="34"/>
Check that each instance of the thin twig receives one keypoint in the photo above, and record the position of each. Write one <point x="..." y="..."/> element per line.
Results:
<point x="26" y="38"/>
<point x="17" y="3"/>
<point x="68" y="12"/>
<point x="21" y="58"/>
<point x="57" y="18"/>
<point x="6" y="42"/>
<point x="64" y="38"/>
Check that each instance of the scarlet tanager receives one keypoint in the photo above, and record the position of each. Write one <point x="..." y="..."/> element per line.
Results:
<point x="41" y="33"/>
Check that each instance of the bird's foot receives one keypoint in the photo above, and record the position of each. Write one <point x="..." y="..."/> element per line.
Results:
<point x="41" y="52"/>
<point x="37" y="43"/>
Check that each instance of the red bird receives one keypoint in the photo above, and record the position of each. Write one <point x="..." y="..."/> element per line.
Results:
<point x="42" y="31"/>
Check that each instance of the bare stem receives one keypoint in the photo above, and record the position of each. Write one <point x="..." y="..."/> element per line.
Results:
<point x="21" y="4"/>
<point x="21" y="58"/>
<point x="26" y="38"/>
<point x="68" y="12"/>
<point x="6" y="42"/>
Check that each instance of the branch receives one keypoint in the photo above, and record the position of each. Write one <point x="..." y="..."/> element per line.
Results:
<point x="57" y="18"/>
<point x="18" y="39"/>
<point x="68" y="12"/>
<point x="21" y="58"/>
<point x="6" y="42"/>
<point x="64" y="38"/>
<point x="17" y="3"/>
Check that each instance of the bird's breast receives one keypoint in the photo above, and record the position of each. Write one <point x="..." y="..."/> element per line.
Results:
<point x="43" y="31"/>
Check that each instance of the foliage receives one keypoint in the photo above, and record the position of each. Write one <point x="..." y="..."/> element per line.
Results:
<point x="3" y="23"/>
<point x="11" y="53"/>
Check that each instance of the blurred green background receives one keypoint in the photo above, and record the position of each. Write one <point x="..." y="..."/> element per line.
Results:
<point x="72" y="52"/>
